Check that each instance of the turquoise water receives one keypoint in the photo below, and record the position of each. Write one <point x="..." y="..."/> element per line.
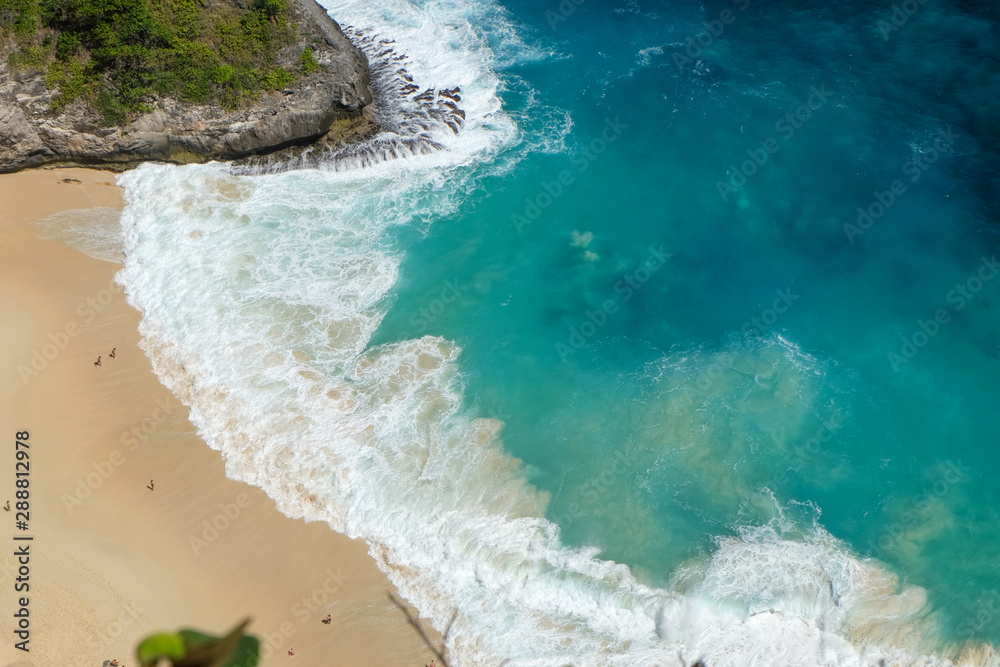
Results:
<point x="712" y="414"/>
<point x="732" y="306"/>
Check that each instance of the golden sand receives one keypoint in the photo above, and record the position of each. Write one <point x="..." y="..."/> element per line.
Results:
<point x="112" y="560"/>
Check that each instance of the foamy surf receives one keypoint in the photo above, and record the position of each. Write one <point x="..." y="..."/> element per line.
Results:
<point x="96" y="232"/>
<point x="260" y="295"/>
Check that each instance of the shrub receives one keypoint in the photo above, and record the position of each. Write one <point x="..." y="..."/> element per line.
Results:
<point x="270" y="7"/>
<point x="308" y="62"/>
<point x="116" y="54"/>
<point x="19" y="17"/>
<point x="27" y="56"/>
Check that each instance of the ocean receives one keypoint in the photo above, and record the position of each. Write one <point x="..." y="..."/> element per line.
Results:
<point x="681" y="342"/>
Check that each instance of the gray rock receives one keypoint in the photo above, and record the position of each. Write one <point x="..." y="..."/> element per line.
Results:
<point x="331" y="101"/>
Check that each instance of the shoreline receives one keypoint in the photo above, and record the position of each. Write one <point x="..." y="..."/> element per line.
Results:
<point x="111" y="559"/>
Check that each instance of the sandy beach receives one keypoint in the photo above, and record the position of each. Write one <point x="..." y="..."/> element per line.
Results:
<point x="110" y="559"/>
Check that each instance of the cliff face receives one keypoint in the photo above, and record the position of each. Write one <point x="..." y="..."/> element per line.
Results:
<point x="333" y="96"/>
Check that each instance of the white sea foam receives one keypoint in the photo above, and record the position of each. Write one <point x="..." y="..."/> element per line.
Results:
<point x="96" y="232"/>
<point x="259" y="297"/>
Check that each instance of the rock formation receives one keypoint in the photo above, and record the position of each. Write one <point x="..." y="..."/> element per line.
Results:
<point x="328" y="104"/>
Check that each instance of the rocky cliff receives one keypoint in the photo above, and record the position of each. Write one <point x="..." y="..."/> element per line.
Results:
<point x="327" y="104"/>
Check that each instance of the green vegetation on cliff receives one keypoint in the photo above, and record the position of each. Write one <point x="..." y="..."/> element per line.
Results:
<point x="116" y="54"/>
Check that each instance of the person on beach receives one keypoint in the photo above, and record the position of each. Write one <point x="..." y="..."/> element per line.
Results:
<point x="98" y="362"/>
<point x="7" y="506"/>
<point x="326" y="620"/>
<point x="150" y="485"/>
<point x="114" y="663"/>
<point x="111" y="355"/>
<point x="291" y="651"/>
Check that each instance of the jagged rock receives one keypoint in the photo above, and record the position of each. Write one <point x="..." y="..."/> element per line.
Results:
<point x="334" y="96"/>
